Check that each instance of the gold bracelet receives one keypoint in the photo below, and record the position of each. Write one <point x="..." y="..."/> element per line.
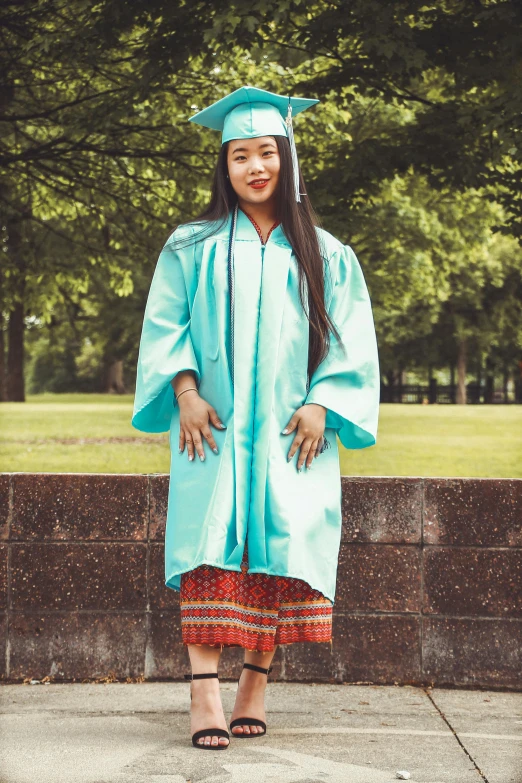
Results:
<point x="192" y="388"/>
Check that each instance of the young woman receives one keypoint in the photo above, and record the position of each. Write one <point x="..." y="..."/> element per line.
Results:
<point x="257" y="351"/>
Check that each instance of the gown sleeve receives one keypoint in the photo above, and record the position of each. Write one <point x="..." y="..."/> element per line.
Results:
<point x="348" y="386"/>
<point x="166" y="345"/>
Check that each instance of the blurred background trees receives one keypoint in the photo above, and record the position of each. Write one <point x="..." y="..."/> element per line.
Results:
<point x="413" y="157"/>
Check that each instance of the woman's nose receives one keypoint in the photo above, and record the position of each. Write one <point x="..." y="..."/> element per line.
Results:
<point x="256" y="165"/>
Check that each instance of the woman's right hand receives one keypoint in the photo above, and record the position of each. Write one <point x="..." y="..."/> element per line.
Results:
<point x="196" y="414"/>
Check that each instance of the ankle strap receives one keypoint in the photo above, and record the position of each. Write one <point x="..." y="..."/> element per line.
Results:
<point x="257" y="668"/>
<point x="205" y="676"/>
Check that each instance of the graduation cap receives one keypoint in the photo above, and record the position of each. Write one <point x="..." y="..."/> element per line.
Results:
<point x="250" y="112"/>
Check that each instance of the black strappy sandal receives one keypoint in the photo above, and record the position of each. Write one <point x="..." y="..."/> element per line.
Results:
<point x="250" y="721"/>
<point x="206" y="732"/>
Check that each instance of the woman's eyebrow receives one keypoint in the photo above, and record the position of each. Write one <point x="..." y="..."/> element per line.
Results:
<point x="244" y="149"/>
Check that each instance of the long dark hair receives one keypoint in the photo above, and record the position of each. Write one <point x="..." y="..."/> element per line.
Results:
<point x="298" y="220"/>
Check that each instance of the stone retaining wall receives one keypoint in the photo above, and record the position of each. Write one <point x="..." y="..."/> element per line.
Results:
<point x="429" y="584"/>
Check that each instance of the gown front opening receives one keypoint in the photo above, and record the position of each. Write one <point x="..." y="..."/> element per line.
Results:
<point x="224" y="608"/>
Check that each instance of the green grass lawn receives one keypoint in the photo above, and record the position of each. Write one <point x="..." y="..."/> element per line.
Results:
<point x="91" y="433"/>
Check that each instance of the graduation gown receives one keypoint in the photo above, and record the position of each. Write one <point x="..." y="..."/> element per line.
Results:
<point x="249" y="491"/>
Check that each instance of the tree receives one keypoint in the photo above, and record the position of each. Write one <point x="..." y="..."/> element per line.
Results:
<point x="99" y="160"/>
<point x="87" y="164"/>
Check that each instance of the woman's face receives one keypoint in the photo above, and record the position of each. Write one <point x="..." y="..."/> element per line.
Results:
<point x="252" y="162"/>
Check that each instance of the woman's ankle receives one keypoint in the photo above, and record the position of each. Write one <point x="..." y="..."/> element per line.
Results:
<point x="263" y="660"/>
<point x="204" y="659"/>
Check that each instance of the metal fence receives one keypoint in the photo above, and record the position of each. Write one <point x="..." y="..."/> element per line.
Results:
<point x="437" y="393"/>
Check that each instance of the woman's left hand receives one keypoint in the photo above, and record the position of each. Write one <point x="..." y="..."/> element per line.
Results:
<point x="309" y="421"/>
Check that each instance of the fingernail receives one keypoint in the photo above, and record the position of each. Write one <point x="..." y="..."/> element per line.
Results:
<point x="215" y="451"/>
<point x="284" y="431"/>
<point x="202" y="458"/>
<point x="310" y="467"/>
<point x="288" y="459"/>
<point x="299" y="469"/>
<point x="179" y="451"/>
<point x="223" y="426"/>
<point x="191" y="458"/>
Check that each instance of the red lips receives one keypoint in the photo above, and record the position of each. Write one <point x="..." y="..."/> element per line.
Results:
<point x="257" y="184"/>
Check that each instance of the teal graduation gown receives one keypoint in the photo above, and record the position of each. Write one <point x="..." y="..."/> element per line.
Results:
<point x="249" y="491"/>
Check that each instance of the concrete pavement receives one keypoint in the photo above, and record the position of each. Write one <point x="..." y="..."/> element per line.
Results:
<point x="139" y="733"/>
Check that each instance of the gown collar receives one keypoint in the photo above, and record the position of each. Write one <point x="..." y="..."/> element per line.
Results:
<point x="245" y="230"/>
<point x="258" y="228"/>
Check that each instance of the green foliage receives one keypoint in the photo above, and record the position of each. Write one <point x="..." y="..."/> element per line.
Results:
<point x="413" y="156"/>
<point x="435" y="268"/>
<point x="52" y="368"/>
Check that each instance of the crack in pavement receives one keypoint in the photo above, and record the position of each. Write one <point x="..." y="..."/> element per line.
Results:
<point x="453" y="731"/>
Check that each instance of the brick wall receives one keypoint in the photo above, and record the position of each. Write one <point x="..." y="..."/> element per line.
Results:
<point x="429" y="583"/>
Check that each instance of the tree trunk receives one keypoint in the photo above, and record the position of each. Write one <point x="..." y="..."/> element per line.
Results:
<point x="461" y="372"/>
<point x="479" y="381"/>
<point x="3" y="385"/>
<point x="15" y="356"/>
<point x="390" y="386"/>
<point x="505" y="382"/>
<point x="490" y="382"/>
<point x="518" y="384"/>
<point x="400" y="377"/>
<point x="115" y="378"/>
<point x="432" y="391"/>
<point x="452" y="383"/>
<point x="3" y="368"/>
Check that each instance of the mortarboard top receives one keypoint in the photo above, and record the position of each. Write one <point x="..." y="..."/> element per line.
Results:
<point x="250" y="112"/>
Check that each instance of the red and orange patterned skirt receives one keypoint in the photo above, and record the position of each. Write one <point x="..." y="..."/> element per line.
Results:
<point x="256" y="611"/>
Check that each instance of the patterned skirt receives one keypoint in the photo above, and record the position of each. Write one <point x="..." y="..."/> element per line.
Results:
<point x="256" y="611"/>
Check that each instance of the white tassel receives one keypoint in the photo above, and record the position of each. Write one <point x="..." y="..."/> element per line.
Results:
<point x="295" y="163"/>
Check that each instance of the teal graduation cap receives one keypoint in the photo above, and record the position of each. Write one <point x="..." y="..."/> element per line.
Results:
<point x="250" y="112"/>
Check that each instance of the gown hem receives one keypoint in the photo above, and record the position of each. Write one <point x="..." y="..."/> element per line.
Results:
<point x="250" y="571"/>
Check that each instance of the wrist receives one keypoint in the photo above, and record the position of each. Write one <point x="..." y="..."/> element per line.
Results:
<point x="185" y="393"/>
<point x="318" y="405"/>
<point x="184" y="379"/>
